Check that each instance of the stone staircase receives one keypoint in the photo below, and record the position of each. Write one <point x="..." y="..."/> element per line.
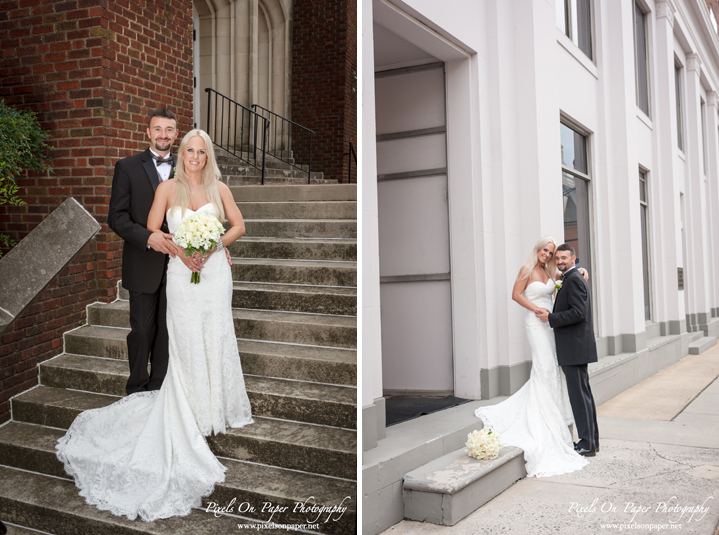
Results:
<point x="237" y="173"/>
<point x="294" y="308"/>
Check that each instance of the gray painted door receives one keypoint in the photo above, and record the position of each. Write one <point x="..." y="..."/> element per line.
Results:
<point x="414" y="231"/>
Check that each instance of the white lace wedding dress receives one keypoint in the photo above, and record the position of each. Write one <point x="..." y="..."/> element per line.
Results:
<point x="537" y="416"/>
<point x="146" y="454"/>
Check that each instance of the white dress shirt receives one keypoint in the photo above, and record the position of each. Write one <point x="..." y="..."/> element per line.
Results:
<point x="163" y="170"/>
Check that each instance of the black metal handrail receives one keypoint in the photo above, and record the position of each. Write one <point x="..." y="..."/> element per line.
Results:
<point x="243" y="137"/>
<point x="350" y="154"/>
<point x="288" y="141"/>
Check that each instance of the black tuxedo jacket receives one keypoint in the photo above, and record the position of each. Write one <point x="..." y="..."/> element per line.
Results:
<point x="133" y="190"/>
<point x="572" y="322"/>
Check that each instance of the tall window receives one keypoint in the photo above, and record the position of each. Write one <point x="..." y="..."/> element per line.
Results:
<point x="575" y="190"/>
<point x="644" y="216"/>
<point x="574" y="18"/>
<point x="704" y="136"/>
<point x="680" y="123"/>
<point x="641" y="57"/>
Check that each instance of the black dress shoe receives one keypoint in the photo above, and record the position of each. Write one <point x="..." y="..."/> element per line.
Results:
<point x="586" y="453"/>
<point x="576" y="447"/>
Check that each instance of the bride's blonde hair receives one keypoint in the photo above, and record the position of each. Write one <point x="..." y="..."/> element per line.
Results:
<point x="550" y="268"/>
<point x="210" y="175"/>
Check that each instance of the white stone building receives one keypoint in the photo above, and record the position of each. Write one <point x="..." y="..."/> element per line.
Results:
<point x="487" y="124"/>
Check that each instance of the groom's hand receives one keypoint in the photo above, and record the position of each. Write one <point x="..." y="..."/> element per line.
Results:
<point x="227" y="254"/>
<point x="543" y="314"/>
<point x="162" y="243"/>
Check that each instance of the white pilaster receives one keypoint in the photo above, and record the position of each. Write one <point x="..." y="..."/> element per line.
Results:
<point x="663" y="189"/>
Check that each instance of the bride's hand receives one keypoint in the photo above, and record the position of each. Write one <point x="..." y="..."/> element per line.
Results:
<point x="584" y="273"/>
<point x="190" y="261"/>
<point x="202" y="260"/>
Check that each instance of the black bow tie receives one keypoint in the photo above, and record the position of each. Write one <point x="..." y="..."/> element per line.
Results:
<point x="160" y="160"/>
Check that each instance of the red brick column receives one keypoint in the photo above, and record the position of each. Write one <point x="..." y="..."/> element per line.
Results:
<point x="93" y="70"/>
<point x="324" y="84"/>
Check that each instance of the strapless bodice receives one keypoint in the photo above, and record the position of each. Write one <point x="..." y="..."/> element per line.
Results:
<point x="174" y="215"/>
<point x="540" y="293"/>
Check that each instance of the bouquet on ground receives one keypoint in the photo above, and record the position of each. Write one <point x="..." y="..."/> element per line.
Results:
<point x="199" y="233"/>
<point x="484" y="444"/>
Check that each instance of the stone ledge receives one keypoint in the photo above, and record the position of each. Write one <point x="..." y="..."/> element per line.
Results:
<point x="41" y="255"/>
<point x="446" y="490"/>
<point x="701" y="345"/>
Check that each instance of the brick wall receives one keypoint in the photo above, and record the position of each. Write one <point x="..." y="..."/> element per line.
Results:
<point x="713" y="5"/>
<point x="324" y="66"/>
<point x="93" y="70"/>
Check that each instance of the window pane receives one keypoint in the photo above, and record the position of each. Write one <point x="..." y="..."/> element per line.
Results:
<point x="680" y="126"/>
<point x="645" y="262"/>
<point x="642" y="188"/>
<point x="563" y="16"/>
<point x="576" y="217"/>
<point x="640" y="46"/>
<point x="574" y="149"/>
<point x="704" y="139"/>
<point x="584" y="27"/>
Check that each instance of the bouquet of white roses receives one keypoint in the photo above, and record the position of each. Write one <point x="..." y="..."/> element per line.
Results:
<point x="198" y="234"/>
<point x="484" y="444"/>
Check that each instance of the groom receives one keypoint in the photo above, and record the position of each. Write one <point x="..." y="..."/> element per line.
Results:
<point x="145" y="253"/>
<point x="576" y="346"/>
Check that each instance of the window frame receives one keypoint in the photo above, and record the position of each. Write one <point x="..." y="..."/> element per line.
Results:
<point x="646" y="268"/>
<point x="571" y="25"/>
<point x="587" y="177"/>
<point x="645" y="12"/>
<point x="679" y="99"/>
<point x="702" y="117"/>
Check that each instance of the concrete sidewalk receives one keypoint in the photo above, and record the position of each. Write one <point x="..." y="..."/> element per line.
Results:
<point x="651" y="476"/>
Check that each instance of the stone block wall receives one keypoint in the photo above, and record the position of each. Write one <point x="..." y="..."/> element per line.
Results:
<point x="324" y="83"/>
<point x="92" y="70"/>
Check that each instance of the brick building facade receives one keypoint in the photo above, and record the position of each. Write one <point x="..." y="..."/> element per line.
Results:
<point x="324" y="80"/>
<point x="93" y="70"/>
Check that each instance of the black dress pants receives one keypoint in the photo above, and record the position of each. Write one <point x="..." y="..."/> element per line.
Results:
<point x="147" y="340"/>
<point x="582" y="401"/>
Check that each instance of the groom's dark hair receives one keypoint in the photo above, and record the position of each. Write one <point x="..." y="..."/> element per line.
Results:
<point x="162" y="112"/>
<point x="566" y="247"/>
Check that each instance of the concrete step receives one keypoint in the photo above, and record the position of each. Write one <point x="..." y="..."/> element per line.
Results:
<point x="318" y="273"/>
<point x="241" y="170"/>
<point x="295" y="248"/>
<point x="275" y="398"/>
<point x="301" y="228"/>
<point x="52" y="505"/>
<point x="295" y="298"/>
<point x="15" y="530"/>
<point x="702" y="344"/>
<point x="285" y="444"/>
<point x="289" y="297"/>
<point x="235" y="180"/>
<point x="302" y="363"/>
<point x="312" y="192"/>
<point x="244" y="482"/>
<point x="693" y="337"/>
<point x="225" y="158"/>
<point x="298" y="209"/>
<point x="288" y="361"/>
<point x="446" y="490"/>
<point x="272" y="326"/>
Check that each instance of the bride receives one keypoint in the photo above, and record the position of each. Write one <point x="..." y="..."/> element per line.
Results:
<point x="537" y="416"/>
<point x="146" y="454"/>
